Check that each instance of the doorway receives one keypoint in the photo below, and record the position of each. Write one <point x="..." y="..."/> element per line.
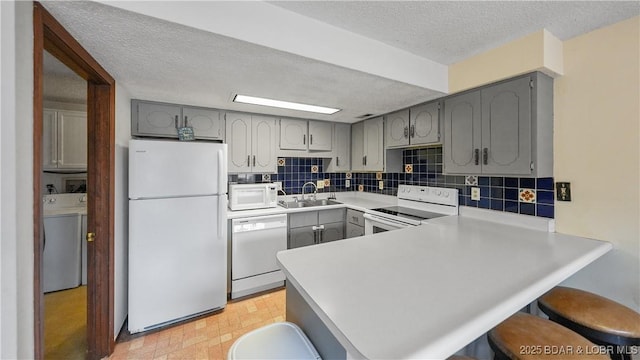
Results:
<point x="64" y="180"/>
<point x="51" y="36"/>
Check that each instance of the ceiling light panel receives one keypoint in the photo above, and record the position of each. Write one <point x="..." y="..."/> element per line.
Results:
<point x="284" y="104"/>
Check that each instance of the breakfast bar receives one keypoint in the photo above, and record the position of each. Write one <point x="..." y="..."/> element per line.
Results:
<point x="426" y="291"/>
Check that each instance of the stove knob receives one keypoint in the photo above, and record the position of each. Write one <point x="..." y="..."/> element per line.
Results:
<point x="438" y="192"/>
<point x="446" y="194"/>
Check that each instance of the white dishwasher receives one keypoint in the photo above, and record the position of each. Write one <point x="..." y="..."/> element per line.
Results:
<point x="254" y="244"/>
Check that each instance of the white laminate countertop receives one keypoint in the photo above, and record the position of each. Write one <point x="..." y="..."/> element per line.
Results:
<point x="425" y="292"/>
<point x="355" y="200"/>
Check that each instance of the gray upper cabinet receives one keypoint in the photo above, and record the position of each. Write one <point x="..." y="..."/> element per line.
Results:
<point x="501" y="129"/>
<point x="424" y="124"/>
<point x="251" y="143"/>
<point x="341" y="159"/>
<point x="155" y="119"/>
<point x="163" y="120"/>
<point x="320" y="135"/>
<point x="357" y="146"/>
<point x="296" y="134"/>
<point x="367" y="152"/>
<point x="397" y="128"/>
<point x="462" y="128"/>
<point x="293" y="134"/>
<point x="506" y="118"/>
<point x="419" y="125"/>
<point x="373" y="145"/>
<point x="206" y="123"/>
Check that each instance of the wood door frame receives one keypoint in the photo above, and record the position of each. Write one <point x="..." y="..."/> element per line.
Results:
<point x="50" y="35"/>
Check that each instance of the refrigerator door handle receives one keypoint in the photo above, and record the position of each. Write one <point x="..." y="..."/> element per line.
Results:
<point x="222" y="173"/>
<point x="222" y="218"/>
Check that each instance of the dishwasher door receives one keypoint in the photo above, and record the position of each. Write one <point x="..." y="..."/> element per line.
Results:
<point x="254" y="244"/>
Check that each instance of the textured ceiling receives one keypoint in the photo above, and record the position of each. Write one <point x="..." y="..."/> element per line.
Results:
<point x="450" y="31"/>
<point x="61" y="83"/>
<point x="164" y="61"/>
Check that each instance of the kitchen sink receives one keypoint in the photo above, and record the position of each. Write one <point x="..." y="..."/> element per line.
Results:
<point x="307" y="203"/>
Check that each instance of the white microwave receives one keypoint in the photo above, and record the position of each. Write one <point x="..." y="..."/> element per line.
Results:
<point x="252" y="196"/>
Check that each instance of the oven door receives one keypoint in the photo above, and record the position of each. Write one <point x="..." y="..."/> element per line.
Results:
<point x="374" y="224"/>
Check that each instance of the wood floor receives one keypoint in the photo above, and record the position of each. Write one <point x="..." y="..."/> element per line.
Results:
<point x="208" y="337"/>
<point x="65" y="324"/>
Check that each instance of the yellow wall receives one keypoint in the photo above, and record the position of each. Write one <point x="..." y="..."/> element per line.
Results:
<point x="596" y="139"/>
<point x="540" y="51"/>
<point x="596" y="143"/>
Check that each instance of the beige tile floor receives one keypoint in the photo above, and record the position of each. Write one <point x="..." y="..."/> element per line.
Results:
<point x="207" y="337"/>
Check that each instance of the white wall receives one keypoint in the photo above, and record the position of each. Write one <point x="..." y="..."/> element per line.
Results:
<point x="121" y="217"/>
<point x="8" y="316"/>
<point x="597" y="149"/>
<point x="16" y="180"/>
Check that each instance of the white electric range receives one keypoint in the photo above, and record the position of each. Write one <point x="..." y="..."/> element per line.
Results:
<point x="416" y="205"/>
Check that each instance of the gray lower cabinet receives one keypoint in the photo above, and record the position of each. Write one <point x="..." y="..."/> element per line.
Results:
<point x="501" y="129"/>
<point x="156" y="119"/>
<point x="315" y="227"/>
<point x="355" y="223"/>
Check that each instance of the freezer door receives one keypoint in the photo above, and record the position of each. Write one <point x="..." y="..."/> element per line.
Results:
<point x="177" y="259"/>
<point x="161" y="169"/>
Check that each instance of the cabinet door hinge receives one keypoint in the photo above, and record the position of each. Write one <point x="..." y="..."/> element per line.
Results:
<point x="531" y="166"/>
<point x="439" y="104"/>
<point x="531" y="84"/>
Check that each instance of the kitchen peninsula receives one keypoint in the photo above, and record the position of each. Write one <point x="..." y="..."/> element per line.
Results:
<point x="426" y="291"/>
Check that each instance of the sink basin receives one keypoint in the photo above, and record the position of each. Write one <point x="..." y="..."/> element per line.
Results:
<point x="308" y="203"/>
<point x="321" y="202"/>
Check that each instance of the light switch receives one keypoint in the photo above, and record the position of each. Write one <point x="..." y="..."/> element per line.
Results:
<point x="347" y="183"/>
<point x="563" y="191"/>
<point x="381" y="185"/>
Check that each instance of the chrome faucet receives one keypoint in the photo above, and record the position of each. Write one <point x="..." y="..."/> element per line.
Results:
<point x="315" y="189"/>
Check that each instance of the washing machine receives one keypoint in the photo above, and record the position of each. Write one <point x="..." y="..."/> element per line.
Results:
<point x="62" y="260"/>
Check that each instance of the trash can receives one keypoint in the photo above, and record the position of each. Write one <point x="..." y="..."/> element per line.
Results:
<point x="282" y="340"/>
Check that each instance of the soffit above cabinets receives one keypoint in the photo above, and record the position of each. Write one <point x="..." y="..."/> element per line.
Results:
<point x="362" y="57"/>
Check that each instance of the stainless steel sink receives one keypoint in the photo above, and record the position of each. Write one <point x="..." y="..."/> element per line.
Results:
<point x="307" y="203"/>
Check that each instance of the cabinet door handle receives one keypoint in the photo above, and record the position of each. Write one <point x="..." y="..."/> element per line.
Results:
<point x="476" y="156"/>
<point x="186" y="122"/>
<point x="254" y="160"/>
<point x="485" y="156"/>
<point x="248" y="160"/>
<point x="176" y="121"/>
<point x="406" y="132"/>
<point x="310" y="139"/>
<point x="337" y="161"/>
<point x="365" y="160"/>
<point x="304" y="139"/>
<point x="412" y="133"/>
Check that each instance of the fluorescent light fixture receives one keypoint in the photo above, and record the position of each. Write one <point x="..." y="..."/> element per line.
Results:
<point x="284" y="104"/>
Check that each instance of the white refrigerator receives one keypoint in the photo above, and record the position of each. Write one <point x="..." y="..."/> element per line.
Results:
<point x="177" y="231"/>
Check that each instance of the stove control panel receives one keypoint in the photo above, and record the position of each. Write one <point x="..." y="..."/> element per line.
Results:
<point x="435" y="195"/>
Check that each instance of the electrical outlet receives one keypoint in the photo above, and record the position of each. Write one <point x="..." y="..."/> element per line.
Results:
<point x="475" y="193"/>
<point x="320" y="184"/>
<point x="278" y="185"/>
<point x="563" y="191"/>
<point x="347" y="183"/>
<point x="381" y="185"/>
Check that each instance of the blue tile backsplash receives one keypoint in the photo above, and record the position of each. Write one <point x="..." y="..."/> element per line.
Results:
<point x="497" y="193"/>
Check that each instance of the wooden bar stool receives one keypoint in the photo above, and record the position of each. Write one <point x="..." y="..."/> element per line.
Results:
<point x="603" y="321"/>
<point x="527" y="337"/>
